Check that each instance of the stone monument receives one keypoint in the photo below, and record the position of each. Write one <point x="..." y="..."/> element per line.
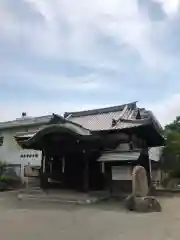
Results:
<point x="139" y="200"/>
<point x="139" y="182"/>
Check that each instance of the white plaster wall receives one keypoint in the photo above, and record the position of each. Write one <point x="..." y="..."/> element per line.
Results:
<point x="10" y="151"/>
<point x="155" y="153"/>
<point x="121" y="173"/>
<point x="156" y="175"/>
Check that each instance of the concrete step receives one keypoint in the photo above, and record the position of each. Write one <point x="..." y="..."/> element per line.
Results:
<point x="61" y="197"/>
<point x="33" y="181"/>
<point x="49" y="198"/>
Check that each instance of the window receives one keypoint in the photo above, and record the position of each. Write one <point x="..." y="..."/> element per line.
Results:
<point x="1" y="140"/>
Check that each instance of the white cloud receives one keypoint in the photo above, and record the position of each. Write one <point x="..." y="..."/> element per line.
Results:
<point x="166" y="110"/>
<point x="119" y="19"/>
<point x="171" y="7"/>
<point x="67" y="29"/>
<point x="53" y="81"/>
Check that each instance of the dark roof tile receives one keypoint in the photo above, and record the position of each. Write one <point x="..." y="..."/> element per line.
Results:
<point x="99" y="110"/>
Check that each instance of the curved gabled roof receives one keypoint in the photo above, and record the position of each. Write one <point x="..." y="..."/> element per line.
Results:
<point x="66" y="127"/>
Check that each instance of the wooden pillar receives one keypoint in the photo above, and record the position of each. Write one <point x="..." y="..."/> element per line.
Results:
<point x="63" y="164"/>
<point x="86" y="172"/>
<point x="150" y="167"/>
<point x="109" y="181"/>
<point x="147" y="166"/>
<point x="102" y="167"/>
<point x="145" y="162"/>
<point x="42" y="169"/>
<point x="43" y="163"/>
<point x="43" y="175"/>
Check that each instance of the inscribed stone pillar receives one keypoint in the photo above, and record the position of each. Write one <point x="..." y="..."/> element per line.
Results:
<point x="139" y="182"/>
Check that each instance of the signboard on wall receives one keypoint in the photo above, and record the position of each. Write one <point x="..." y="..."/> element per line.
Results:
<point x="33" y="157"/>
<point x="121" y="173"/>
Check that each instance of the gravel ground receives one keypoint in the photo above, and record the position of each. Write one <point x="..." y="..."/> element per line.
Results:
<point x="34" y="220"/>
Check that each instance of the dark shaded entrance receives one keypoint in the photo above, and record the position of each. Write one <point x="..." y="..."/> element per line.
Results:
<point x="63" y="162"/>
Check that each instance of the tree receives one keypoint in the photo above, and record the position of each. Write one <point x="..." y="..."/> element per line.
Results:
<point x="174" y="126"/>
<point x="171" y="152"/>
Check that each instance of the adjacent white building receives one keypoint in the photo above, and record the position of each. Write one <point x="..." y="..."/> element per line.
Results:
<point x="21" y="128"/>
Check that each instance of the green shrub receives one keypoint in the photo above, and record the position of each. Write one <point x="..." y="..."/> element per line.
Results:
<point x="8" y="177"/>
<point x="9" y="181"/>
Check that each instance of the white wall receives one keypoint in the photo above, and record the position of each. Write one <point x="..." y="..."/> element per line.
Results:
<point x="155" y="153"/>
<point x="156" y="175"/>
<point x="10" y="151"/>
<point x="125" y="173"/>
<point x="121" y="173"/>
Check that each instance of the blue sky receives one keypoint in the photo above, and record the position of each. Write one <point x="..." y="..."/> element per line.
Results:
<point x="66" y="55"/>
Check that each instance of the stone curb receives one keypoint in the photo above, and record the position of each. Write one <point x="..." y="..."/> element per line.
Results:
<point x="20" y="197"/>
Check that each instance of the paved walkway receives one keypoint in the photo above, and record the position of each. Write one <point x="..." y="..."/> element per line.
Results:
<point x="47" y="221"/>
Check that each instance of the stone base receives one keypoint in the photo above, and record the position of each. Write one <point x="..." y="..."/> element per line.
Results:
<point x="130" y="203"/>
<point x="142" y="204"/>
<point x="63" y="196"/>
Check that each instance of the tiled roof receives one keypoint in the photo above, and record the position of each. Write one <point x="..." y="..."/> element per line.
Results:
<point x="102" y="119"/>
<point x="99" y="110"/>
<point x="26" y="122"/>
<point x="154" y="155"/>
<point x="119" y="156"/>
<point x="28" y="135"/>
<point x="117" y="117"/>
